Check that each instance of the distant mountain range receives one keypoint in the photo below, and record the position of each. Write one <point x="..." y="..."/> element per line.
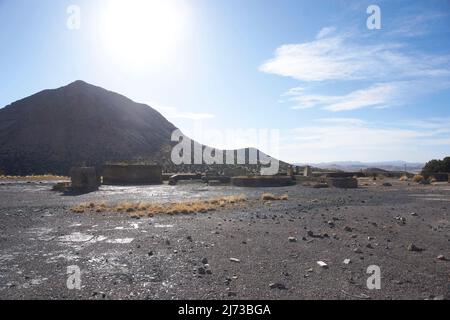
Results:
<point x="412" y="167"/>
<point x="81" y="124"/>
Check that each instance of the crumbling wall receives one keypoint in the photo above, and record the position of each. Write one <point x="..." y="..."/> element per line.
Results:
<point x="84" y="179"/>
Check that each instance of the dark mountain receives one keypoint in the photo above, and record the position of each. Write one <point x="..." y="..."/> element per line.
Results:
<point x="78" y="124"/>
<point x="81" y="124"/>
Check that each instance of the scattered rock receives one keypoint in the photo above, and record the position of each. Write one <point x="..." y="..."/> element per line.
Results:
<point x="292" y="239"/>
<point x="235" y="260"/>
<point x="441" y="257"/>
<point x="348" y="229"/>
<point x="201" y="270"/>
<point x="347" y="261"/>
<point x="277" y="285"/>
<point x="322" y="264"/>
<point x="413" y="214"/>
<point x="232" y="294"/>
<point x="357" y="250"/>
<point x="414" y="248"/>
<point x="205" y="261"/>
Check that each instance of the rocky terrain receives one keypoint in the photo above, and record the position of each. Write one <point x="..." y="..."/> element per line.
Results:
<point x="253" y="250"/>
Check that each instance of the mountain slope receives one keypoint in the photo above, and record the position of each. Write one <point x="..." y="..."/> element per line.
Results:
<point x="79" y="124"/>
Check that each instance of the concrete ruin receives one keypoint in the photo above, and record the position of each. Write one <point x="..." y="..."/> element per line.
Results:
<point x="307" y="172"/>
<point x="262" y="181"/>
<point x="343" y="183"/>
<point x="173" y="180"/>
<point x="84" y="179"/>
<point x="132" y="174"/>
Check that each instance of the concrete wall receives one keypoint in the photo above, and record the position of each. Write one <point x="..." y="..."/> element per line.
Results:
<point x="132" y="174"/>
<point x="84" y="179"/>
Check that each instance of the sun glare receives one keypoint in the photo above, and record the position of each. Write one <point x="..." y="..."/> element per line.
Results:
<point x="141" y="32"/>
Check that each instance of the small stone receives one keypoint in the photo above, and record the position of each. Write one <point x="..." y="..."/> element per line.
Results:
<point x="347" y="261"/>
<point x="441" y="257"/>
<point x="201" y="270"/>
<point x="292" y="239"/>
<point x="235" y="260"/>
<point x="205" y="261"/>
<point x="413" y="214"/>
<point x="369" y="246"/>
<point x="414" y="248"/>
<point x="348" y="229"/>
<point x="189" y="238"/>
<point x="322" y="264"/>
<point x="232" y="294"/>
<point x="357" y="250"/>
<point x="277" y="286"/>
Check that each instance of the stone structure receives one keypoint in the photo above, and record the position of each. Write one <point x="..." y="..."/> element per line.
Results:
<point x="173" y="180"/>
<point x="84" y="179"/>
<point x="307" y="172"/>
<point x="132" y="174"/>
<point x="262" y="181"/>
<point x="290" y="171"/>
<point x="343" y="183"/>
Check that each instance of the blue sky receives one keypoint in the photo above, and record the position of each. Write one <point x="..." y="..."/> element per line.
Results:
<point x="312" y="70"/>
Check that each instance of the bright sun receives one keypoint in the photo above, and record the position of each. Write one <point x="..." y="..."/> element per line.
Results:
<point x="141" y="32"/>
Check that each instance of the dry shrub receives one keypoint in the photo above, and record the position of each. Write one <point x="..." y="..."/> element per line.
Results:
<point x="403" y="178"/>
<point x="418" y="178"/>
<point x="142" y="209"/>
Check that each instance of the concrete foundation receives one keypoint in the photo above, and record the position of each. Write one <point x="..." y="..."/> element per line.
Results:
<point x="84" y="179"/>
<point x="262" y="181"/>
<point x="132" y="174"/>
<point x="343" y="183"/>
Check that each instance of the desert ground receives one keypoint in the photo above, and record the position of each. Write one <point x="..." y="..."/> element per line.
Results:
<point x="250" y="250"/>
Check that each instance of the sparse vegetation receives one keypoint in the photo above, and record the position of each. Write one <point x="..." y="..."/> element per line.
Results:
<point x="436" y="166"/>
<point x="141" y="209"/>
<point x="418" y="178"/>
<point x="45" y="177"/>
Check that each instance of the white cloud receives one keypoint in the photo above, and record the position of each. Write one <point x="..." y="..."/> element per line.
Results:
<point x="340" y="57"/>
<point x="377" y="95"/>
<point x="325" y="32"/>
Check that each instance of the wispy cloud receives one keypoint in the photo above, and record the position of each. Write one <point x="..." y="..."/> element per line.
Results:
<point x="415" y="25"/>
<point x="338" y="57"/>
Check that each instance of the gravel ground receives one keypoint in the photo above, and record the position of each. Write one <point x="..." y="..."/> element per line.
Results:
<point x="255" y="250"/>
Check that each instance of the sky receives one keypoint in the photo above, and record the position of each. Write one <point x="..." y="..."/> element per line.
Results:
<point x="305" y="81"/>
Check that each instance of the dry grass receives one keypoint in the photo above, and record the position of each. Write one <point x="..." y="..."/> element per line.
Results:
<point x="272" y="197"/>
<point x="403" y="178"/>
<point x="141" y="209"/>
<point x="46" y="177"/>
<point x="418" y="178"/>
